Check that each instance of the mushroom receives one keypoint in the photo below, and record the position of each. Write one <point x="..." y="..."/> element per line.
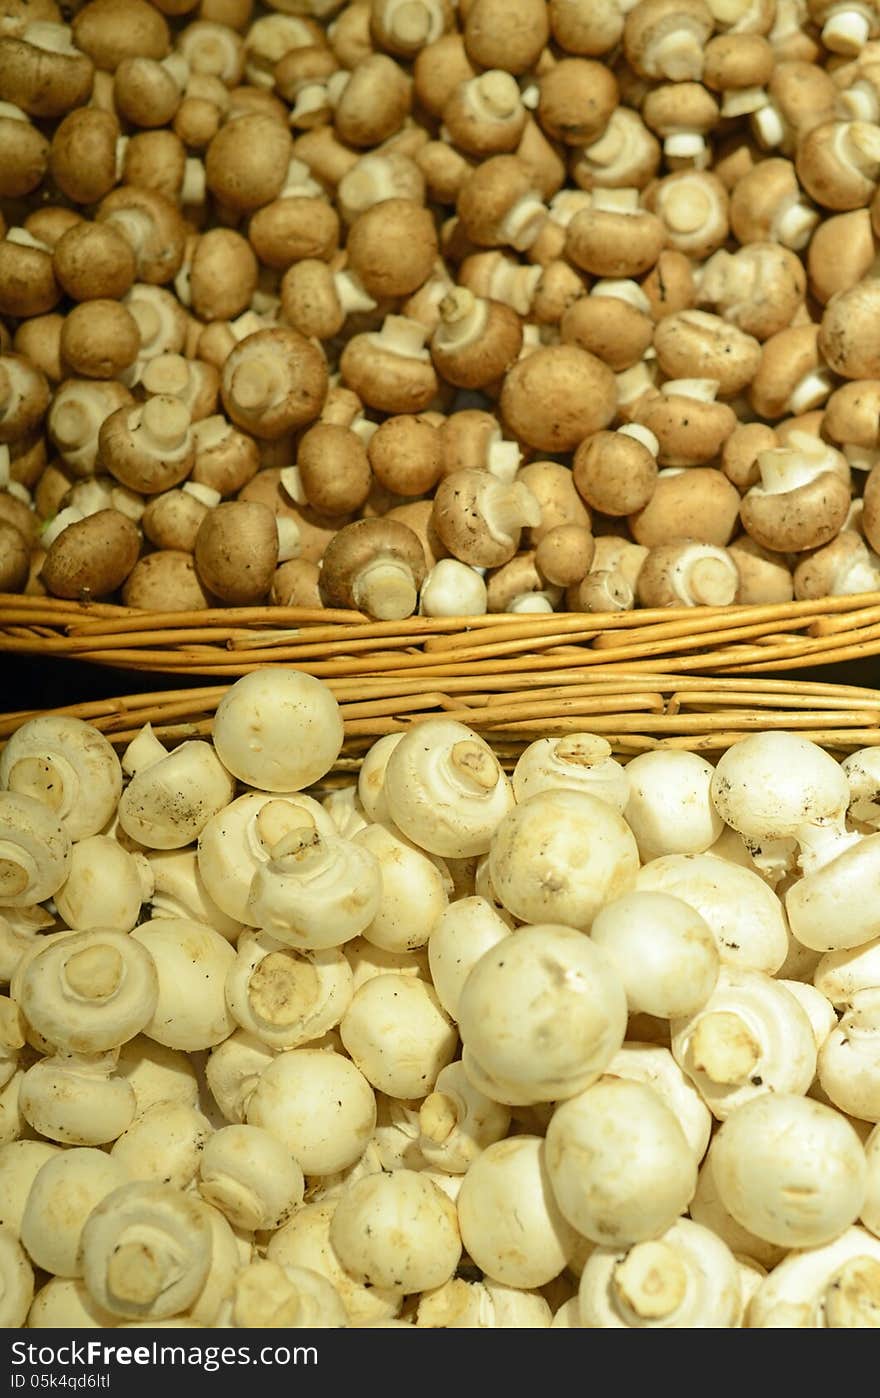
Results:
<point x="274" y="381"/>
<point x="157" y="1074"/>
<point x="603" y="1146"/>
<point x="77" y="1098"/>
<point x="579" y="761"/>
<point x="396" y="1231"/>
<point x="445" y="789"/>
<point x="318" y="1105"/>
<point x="457" y="1122"/>
<point x="479" y="518"/>
<point x="64" y="1191"/>
<point x="476" y="340"/>
<point x="164" y="1143"/>
<point x="88" y="992"/>
<point x="556" y="396"/>
<point x="687" y="1277"/>
<point x="376" y="566"/>
<point x="237" y="551"/>
<point x="749" y="1039"/>
<point x="43" y="70"/>
<point x="191" y="962"/>
<point x="560" y="855"/>
<point x="146" y="1250"/>
<point x="304" y="1241"/>
<point x="827" y="1287"/>
<point x="803" y="498"/>
<point x="527" y="1002"/>
<point x="390" y="369"/>
<point x="172" y="796"/>
<point x="511" y="1224"/>
<point x="178" y="890"/>
<point x="663" y="950"/>
<point x="316" y="890"/>
<point x="772" y="1181"/>
<point x="746" y="917"/>
<point x="34" y="851"/>
<point x="286" y="998"/>
<point x="68" y="766"/>
<point x="398" y="1034"/>
<point x="262" y="706"/>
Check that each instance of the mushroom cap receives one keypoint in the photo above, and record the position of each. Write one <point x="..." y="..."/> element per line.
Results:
<point x="792" y="521"/>
<point x="556" y="396"/>
<point x="69" y="766"/>
<point x="848" y="338"/>
<point x="191" y="962"/>
<point x="273" y="382"/>
<point x="91" y="557"/>
<point x="90" y="992"/>
<point x="236" y="551"/>
<point x="278" y="730"/>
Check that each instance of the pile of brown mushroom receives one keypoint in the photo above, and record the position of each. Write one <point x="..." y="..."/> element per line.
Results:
<point x="406" y="305"/>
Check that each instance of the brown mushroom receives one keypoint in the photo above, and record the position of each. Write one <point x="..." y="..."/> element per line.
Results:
<point x="165" y="581"/>
<point x="236" y="551"/>
<point x="91" y="557"/>
<point x="376" y="566"/>
<point x="274" y="381"/>
<point x="556" y="396"/>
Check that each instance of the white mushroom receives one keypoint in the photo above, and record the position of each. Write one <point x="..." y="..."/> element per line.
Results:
<point x="65" y="1304"/>
<point x="750" y="1038"/>
<point x="790" y="1169"/>
<point x="398" y="1034"/>
<point x="77" y="1098"/>
<point x="779" y="786"/>
<point x="831" y="909"/>
<point x="345" y="810"/>
<point x="318" y="1105"/>
<point x="511" y="1224"/>
<point x="445" y="788"/>
<point x="19" y="1164"/>
<point x="250" y="1176"/>
<point x="65" y="1190"/>
<point x="619" y="1164"/>
<point x="171" y="798"/>
<point x="315" y="890"/>
<point x="653" y="1065"/>
<point x="396" y="1231"/>
<point x="157" y="1074"/>
<point x="862" y="772"/>
<point x="541" y="1015"/>
<point x="685" y="1279"/>
<point x="240" y="838"/>
<point x="670" y="810"/>
<point x="278" y="730"/>
<point x="482" y="1305"/>
<point x="16" y="1282"/>
<point x="414" y="890"/>
<point x="106" y="886"/>
<point x="745" y="916"/>
<point x="833" y="1287"/>
<point x="68" y="766"/>
<point x="849" y="1059"/>
<point x="20" y="929"/>
<point x="304" y="1241"/>
<point x="164" y="1143"/>
<point x="662" y="949"/>
<point x="34" y="851"/>
<point x="267" y="1295"/>
<point x="90" y="991"/>
<point x="560" y="855"/>
<point x="179" y="891"/>
<point x="464" y="930"/>
<point x="230" y="1251"/>
<point x="191" y="962"/>
<point x="707" y="1208"/>
<point x="371" y="779"/>
<point x="286" y="997"/>
<point x="146" y="1250"/>
<point x="457" y="1122"/>
<point x="367" y="960"/>
<point x="578" y="762"/>
<point x="232" y="1072"/>
<point x="840" y="975"/>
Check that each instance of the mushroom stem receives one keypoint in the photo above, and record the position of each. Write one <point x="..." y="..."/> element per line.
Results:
<point x="94" y="973"/>
<point x="142" y="1267"/>
<point x="846" y="31"/>
<point x="279" y="820"/>
<point x="508" y="508"/>
<point x="385" y="589"/>
<point x="462" y="317"/>
<point x="651" y="1281"/>
<point x="438" y="1117"/>
<point x="724" y="1048"/>
<point x="522" y="222"/>
<point x="142" y="752"/>
<point x="474" y="765"/>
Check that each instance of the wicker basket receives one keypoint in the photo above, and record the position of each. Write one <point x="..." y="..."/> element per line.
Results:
<point x="333" y="644"/>
<point x="635" y="713"/>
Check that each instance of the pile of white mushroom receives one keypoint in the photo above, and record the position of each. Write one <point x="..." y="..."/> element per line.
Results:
<point x="585" y="1046"/>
